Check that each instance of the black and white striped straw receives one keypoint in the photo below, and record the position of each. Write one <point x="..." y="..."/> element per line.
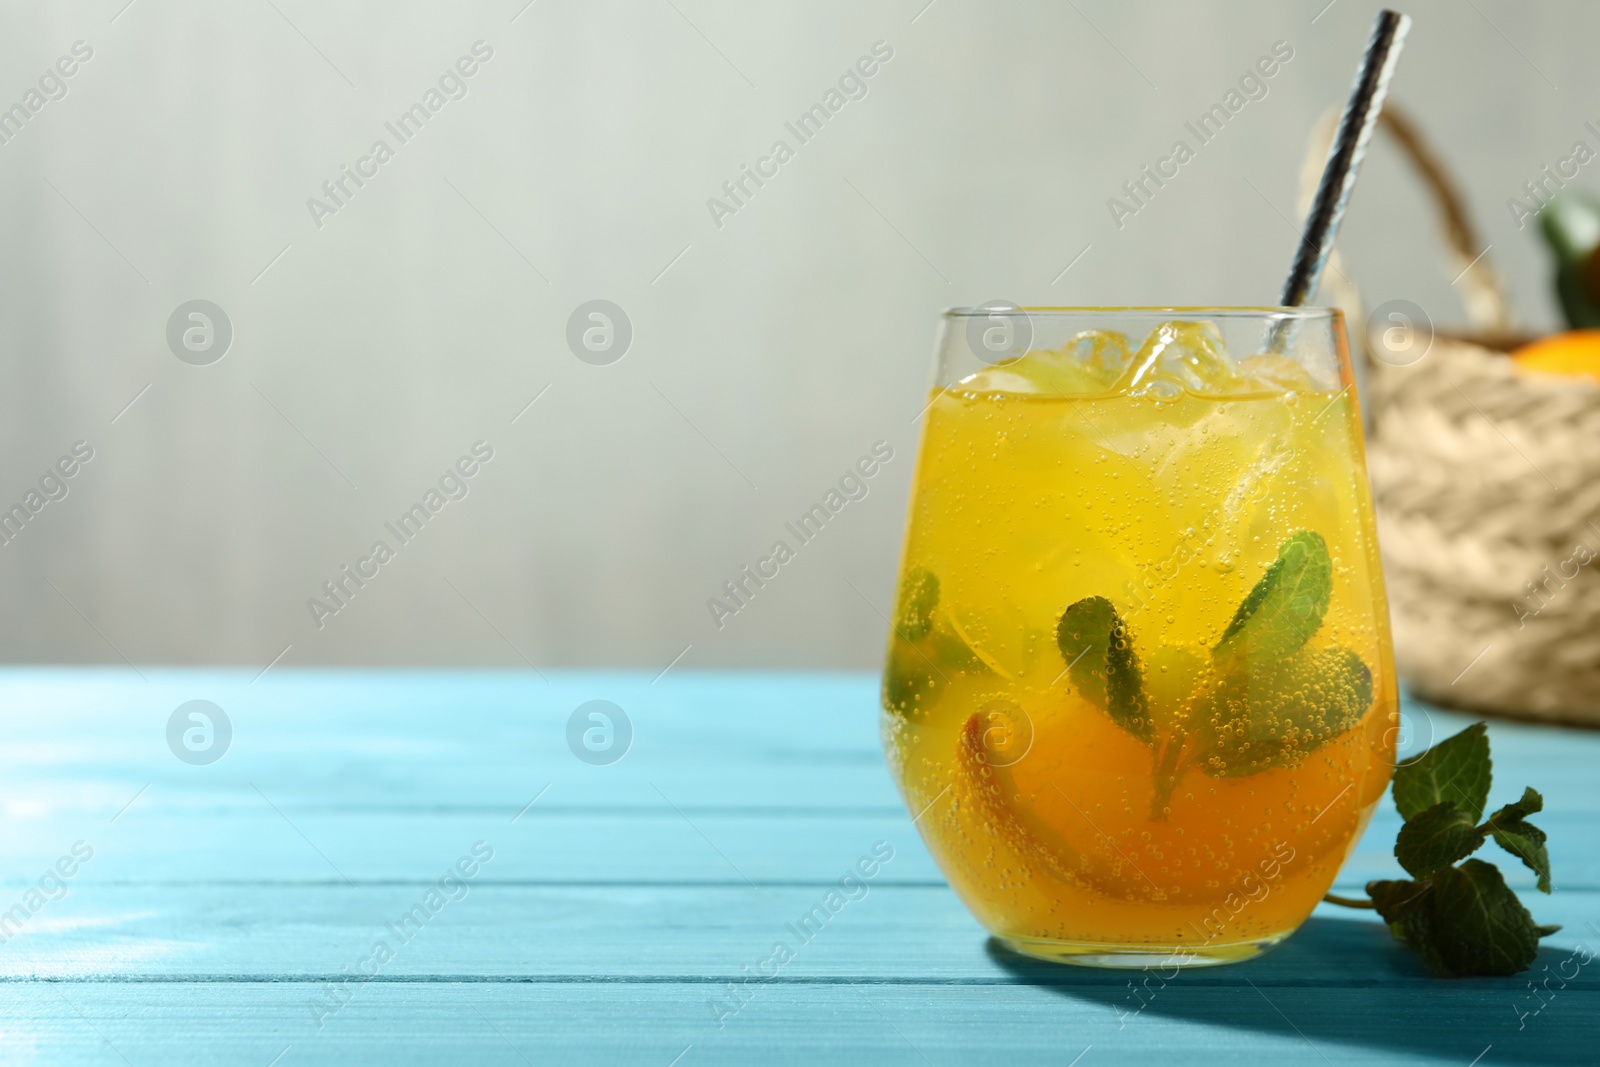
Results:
<point x="1344" y="158"/>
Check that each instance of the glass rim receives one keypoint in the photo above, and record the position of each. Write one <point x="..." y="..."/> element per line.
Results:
<point x="1209" y="311"/>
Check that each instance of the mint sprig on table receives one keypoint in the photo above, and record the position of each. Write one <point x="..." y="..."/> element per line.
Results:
<point x="1266" y="699"/>
<point x="1460" y="917"/>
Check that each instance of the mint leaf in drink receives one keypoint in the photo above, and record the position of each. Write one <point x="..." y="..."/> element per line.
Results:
<point x="909" y="680"/>
<point x="1457" y="769"/>
<point x="1274" y="698"/>
<point x="925" y="652"/>
<point x="919" y="595"/>
<point x="912" y="675"/>
<point x="1285" y="607"/>
<point x="1436" y="839"/>
<point x="951" y="651"/>
<point x="1280" y="713"/>
<point x="1521" y="838"/>
<point x="1125" y="699"/>
<point x="916" y="673"/>
<point x="1084" y="635"/>
<point x="1462" y="920"/>
<point x="1098" y="648"/>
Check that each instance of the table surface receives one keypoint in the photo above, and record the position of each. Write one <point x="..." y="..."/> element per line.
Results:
<point x="233" y="912"/>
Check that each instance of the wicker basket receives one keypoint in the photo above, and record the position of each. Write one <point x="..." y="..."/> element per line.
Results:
<point x="1487" y="489"/>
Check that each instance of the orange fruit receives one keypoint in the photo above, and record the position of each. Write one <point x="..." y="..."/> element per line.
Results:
<point x="1575" y="353"/>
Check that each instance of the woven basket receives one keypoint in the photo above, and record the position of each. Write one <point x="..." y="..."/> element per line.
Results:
<point x="1487" y="489"/>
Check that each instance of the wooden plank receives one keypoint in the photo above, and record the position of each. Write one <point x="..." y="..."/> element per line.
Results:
<point x="222" y="899"/>
<point x="894" y="1024"/>
<point x="653" y="845"/>
<point x="419" y="738"/>
<point x="893" y="932"/>
<point x="384" y="783"/>
<point x="255" y="836"/>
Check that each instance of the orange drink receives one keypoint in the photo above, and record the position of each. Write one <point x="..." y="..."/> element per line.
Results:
<point x="1139" y="688"/>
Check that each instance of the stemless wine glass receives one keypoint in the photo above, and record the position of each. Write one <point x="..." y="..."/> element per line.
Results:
<point x="1139" y="686"/>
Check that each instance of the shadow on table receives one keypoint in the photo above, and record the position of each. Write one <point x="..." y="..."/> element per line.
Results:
<point x="1340" y="981"/>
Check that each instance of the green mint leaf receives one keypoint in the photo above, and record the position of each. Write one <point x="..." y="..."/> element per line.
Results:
<point x="1084" y="635"/>
<point x="1098" y="648"/>
<point x="1546" y="929"/>
<point x="1285" y="607"/>
<point x="1521" y="838"/>
<point x="1392" y="898"/>
<point x="1476" y="925"/>
<point x="1463" y="922"/>
<point x="909" y="680"/>
<point x="951" y="652"/>
<point x="919" y="595"/>
<point x="1125" y="699"/>
<point x="1457" y="769"/>
<point x="925" y="652"/>
<point x="1526" y="842"/>
<point x="1279" y="713"/>
<point x="1403" y="906"/>
<point x="1530" y="804"/>
<point x="1435" y="839"/>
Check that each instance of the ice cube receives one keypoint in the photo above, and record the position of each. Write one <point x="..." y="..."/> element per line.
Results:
<point x="1087" y="365"/>
<point x="1187" y="354"/>
<point x="1277" y="374"/>
<point x="996" y="381"/>
<point x="1101" y="354"/>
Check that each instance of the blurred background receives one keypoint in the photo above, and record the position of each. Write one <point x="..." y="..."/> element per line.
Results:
<point x="363" y="339"/>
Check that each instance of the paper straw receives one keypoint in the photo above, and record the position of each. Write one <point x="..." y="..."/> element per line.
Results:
<point x="1344" y="158"/>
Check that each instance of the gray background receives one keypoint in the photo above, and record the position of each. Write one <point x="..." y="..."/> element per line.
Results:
<point x="768" y="355"/>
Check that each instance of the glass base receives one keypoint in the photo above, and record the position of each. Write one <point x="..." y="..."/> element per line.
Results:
<point x="1136" y="957"/>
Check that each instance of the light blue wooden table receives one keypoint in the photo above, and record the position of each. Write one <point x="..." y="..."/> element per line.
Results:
<point x="226" y="907"/>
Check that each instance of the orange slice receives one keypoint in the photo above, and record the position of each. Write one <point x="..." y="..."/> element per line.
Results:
<point x="1032" y="831"/>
